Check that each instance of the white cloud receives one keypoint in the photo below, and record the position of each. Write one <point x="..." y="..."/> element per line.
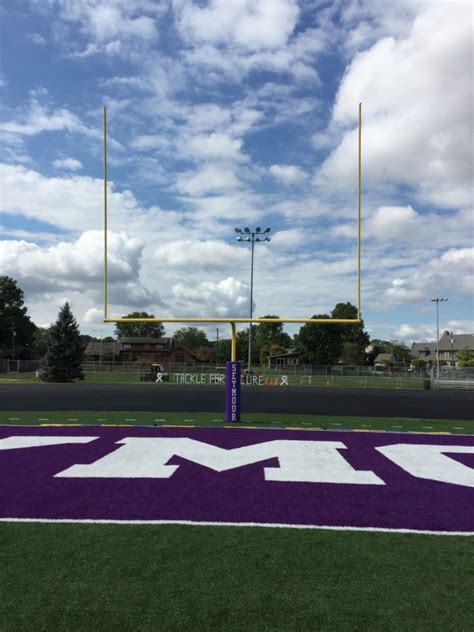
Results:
<point x="289" y="239"/>
<point x="68" y="163"/>
<point x="94" y="315"/>
<point x="110" y="27"/>
<point x="288" y="174"/>
<point x="215" y="146"/>
<point x="36" y="38"/>
<point x="38" y="118"/>
<point x="417" y="97"/>
<point x="228" y="297"/>
<point x="252" y="24"/>
<point x="201" y="254"/>
<point x="212" y="178"/>
<point x="451" y="272"/>
<point x="47" y="273"/>
<point x="68" y="202"/>
<point x="107" y="22"/>
<point x="394" y="222"/>
<point x="73" y="262"/>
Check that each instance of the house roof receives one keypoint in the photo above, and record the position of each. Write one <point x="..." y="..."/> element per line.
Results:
<point x="144" y="340"/>
<point x="384" y="356"/>
<point x="424" y="346"/>
<point x="460" y="342"/>
<point x="102" y="348"/>
<point x="288" y="352"/>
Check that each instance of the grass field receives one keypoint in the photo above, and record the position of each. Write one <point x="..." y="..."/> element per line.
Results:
<point x="191" y="578"/>
<point x="330" y="422"/>
<point x="80" y="577"/>
<point x="330" y="381"/>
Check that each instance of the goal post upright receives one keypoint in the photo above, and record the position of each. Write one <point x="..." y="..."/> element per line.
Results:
<point x="105" y="217"/>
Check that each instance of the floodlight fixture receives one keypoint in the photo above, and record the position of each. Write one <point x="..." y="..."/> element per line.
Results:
<point x="246" y="230"/>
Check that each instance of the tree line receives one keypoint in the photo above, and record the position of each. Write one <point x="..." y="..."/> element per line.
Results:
<point x="62" y="344"/>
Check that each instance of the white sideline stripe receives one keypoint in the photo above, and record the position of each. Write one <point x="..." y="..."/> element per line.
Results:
<point x="237" y="524"/>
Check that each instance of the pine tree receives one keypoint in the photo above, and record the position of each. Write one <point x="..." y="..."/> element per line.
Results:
<point x="64" y="355"/>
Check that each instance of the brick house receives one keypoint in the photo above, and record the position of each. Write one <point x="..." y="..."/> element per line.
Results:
<point x="154" y="350"/>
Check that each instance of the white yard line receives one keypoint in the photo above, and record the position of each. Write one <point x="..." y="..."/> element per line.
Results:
<point x="239" y="524"/>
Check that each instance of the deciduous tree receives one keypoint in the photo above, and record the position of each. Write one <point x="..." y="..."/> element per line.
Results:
<point x="16" y="328"/>
<point x="191" y="338"/>
<point x="137" y="330"/>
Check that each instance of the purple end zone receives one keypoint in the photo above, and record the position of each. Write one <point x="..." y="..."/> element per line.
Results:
<point x="30" y="490"/>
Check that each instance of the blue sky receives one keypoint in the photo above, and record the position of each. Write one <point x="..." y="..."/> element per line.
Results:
<point x="239" y="113"/>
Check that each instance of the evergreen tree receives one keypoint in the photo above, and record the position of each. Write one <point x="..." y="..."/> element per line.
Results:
<point x="62" y="362"/>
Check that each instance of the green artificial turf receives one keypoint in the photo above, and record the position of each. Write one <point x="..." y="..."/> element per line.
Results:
<point x="326" y="381"/>
<point x="270" y="420"/>
<point x="193" y="578"/>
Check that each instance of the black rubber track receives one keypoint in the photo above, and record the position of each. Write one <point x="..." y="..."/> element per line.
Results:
<point x="164" y="397"/>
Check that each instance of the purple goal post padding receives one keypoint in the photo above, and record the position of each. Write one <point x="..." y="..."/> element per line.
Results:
<point x="232" y="391"/>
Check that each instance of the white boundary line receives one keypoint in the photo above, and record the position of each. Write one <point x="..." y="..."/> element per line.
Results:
<point x="236" y="524"/>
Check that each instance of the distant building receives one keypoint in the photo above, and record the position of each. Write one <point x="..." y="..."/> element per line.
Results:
<point x="383" y="360"/>
<point x="449" y="346"/>
<point x="291" y="357"/>
<point x="96" y="351"/>
<point x="143" y="349"/>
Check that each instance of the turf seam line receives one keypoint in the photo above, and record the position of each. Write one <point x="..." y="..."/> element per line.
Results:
<point x="237" y="524"/>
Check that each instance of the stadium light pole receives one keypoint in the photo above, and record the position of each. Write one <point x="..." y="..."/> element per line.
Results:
<point x="437" y="300"/>
<point x="252" y="236"/>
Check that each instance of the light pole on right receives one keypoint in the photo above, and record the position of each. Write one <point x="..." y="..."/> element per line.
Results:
<point x="437" y="300"/>
<point x="252" y="236"/>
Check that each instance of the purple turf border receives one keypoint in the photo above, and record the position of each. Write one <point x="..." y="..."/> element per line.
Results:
<point x="198" y="495"/>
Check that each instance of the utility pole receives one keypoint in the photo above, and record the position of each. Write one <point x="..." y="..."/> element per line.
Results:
<point x="437" y="300"/>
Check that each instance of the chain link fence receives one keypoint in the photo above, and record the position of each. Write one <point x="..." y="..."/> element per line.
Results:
<point x="298" y="375"/>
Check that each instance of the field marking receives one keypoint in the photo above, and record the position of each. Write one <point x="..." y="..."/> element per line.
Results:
<point x="271" y="525"/>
